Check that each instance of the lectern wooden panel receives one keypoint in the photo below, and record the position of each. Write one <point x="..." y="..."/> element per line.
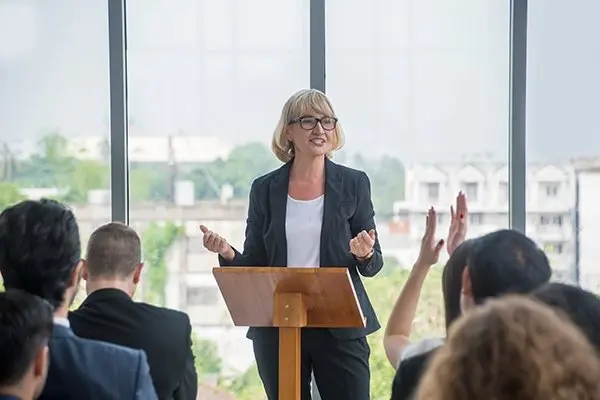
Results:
<point x="290" y="299"/>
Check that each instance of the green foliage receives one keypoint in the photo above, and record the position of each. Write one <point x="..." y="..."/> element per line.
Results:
<point x="208" y="361"/>
<point x="383" y="291"/>
<point x="10" y="194"/>
<point x="244" y="164"/>
<point x="387" y="179"/>
<point x="246" y="386"/>
<point x="156" y="242"/>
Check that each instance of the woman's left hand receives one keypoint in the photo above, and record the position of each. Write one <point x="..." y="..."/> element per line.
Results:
<point x="362" y="245"/>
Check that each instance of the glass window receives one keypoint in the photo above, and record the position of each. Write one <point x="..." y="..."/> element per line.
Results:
<point x="503" y="193"/>
<point x="206" y="80"/>
<point x="432" y="191"/>
<point x="562" y="126"/>
<point x="54" y="106"/>
<point x="471" y="190"/>
<point x="425" y="84"/>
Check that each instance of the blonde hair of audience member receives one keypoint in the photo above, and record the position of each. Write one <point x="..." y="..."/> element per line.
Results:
<point x="306" y="102"/>
<point x="513" y="349"/>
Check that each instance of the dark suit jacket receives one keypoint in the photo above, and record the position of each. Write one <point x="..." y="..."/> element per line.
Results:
<point x="112" y="316"/>
<point x="347" y="210"/>
<point x="91" y="370"/>
<point x="408" y="375"/>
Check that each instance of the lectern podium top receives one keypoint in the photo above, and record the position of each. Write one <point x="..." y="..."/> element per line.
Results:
<point x="328" y="295"/>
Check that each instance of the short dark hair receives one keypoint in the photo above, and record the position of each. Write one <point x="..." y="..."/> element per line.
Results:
<point x="25" y="327"/>
<point x="39" y="248"/>
<point x="113" y="250"/>
<point x="452" y="280"/>
<point x="506" y="261"/>
<point x="580" y="307"/>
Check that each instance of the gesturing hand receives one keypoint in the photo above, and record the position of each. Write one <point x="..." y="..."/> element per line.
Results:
<point x="362" y="245"/>
<point x="430" y="247"/>
<point x="213" y="242"/>
<point x="458" y="223"/>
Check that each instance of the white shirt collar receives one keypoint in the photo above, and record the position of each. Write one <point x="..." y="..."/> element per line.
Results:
<point x="62" y="321"/>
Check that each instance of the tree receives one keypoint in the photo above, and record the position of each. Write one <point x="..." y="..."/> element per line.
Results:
<point x="244" y="164"/>
<point x="246" y="386"/>
<point x="156" y="242"/>
<point x="10" y="194"/>
<point x="208" y="361"/>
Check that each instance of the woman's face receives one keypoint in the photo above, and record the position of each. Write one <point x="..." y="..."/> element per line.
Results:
<point x="312" y="134"/>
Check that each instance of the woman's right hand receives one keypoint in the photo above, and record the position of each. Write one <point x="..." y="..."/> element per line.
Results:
<point x="458" y="223"/>
<point x="215" y="243"/>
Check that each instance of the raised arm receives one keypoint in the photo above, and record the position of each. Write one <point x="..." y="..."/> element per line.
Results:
<point x="365" y="245"/>
<point x="397" y="332"/>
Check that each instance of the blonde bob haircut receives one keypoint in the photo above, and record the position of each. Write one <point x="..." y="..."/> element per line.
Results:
<point x="302" y="103"/>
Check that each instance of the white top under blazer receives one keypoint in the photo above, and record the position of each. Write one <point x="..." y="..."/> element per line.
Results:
<point x="303" y="221"/>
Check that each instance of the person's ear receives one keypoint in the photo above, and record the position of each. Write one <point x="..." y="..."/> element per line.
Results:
<point x="137" y="274"/>
<point x="40" y="363"/>
<point x="466" y="286"/>
<point x="84" y="270"/>
<point x="74" y="280"/>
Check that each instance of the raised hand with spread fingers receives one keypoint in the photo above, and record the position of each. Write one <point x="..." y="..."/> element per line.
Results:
<point x="458" y="223"/>
<point x="430" y="246"/>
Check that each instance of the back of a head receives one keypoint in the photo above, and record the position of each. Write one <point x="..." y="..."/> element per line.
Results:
<point x="25" y="328"/>
<point x="40" y="248"/>
<point x="506" y="261"/>
<point x="452" y="280"/>
<point x="503" y="350"/>
<point x="579" y="306"/>
<point x="113" y="251"/>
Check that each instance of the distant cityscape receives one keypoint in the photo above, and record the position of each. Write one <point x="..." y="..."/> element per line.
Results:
<point x="561" y="201"/>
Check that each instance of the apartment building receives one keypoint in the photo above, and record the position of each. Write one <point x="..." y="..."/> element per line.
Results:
<point x="550" y="203"/>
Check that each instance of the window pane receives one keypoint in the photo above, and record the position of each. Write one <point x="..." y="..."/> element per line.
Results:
<point x="421" y="88"/>
<point x="204" y="98"/>
<point x="54" y="106"/>
<point x="563" y="61"/>
<point x="433" y="102"/>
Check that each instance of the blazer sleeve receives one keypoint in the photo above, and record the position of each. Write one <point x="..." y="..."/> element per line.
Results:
<point x="254" y="252"/>
<point x="188" y="387"/>
<point x="364" y="219"/>
<point x="144" y="388"/>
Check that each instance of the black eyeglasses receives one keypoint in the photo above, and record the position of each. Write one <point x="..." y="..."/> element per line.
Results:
<point x="309" y="123"/>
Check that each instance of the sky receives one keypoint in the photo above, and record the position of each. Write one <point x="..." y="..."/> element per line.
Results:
<point x="422" y="80"/>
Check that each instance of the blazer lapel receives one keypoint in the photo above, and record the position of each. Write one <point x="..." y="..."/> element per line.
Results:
<point x="278" y="192"/>
<point x="333" y="195"/>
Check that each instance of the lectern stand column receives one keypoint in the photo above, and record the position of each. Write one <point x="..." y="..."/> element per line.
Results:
<point x="289" y="315"/>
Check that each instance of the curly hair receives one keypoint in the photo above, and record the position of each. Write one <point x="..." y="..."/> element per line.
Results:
<point x="39" y="248"/>
<point x="513" y="348"/>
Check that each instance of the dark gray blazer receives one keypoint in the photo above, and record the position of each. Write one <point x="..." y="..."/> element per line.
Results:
<point x="347" y="210"/>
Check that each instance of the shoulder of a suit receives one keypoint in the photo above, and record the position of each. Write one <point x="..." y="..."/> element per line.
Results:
<point x="174" y="316"/>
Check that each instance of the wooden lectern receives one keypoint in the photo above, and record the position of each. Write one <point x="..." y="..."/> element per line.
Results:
<point x="290" y="299"/>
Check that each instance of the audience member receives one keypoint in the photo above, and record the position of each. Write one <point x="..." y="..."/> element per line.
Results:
<point x="112" y="271"/>
<point x="501" y="262"/>
<point x="25" y="328"/>
<point x="579" y="306"/>
<point x="40" y="254"/>
<point x="396" y="340"/>
<point x="413" y="365"/>
<point x="513" y="349"/>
